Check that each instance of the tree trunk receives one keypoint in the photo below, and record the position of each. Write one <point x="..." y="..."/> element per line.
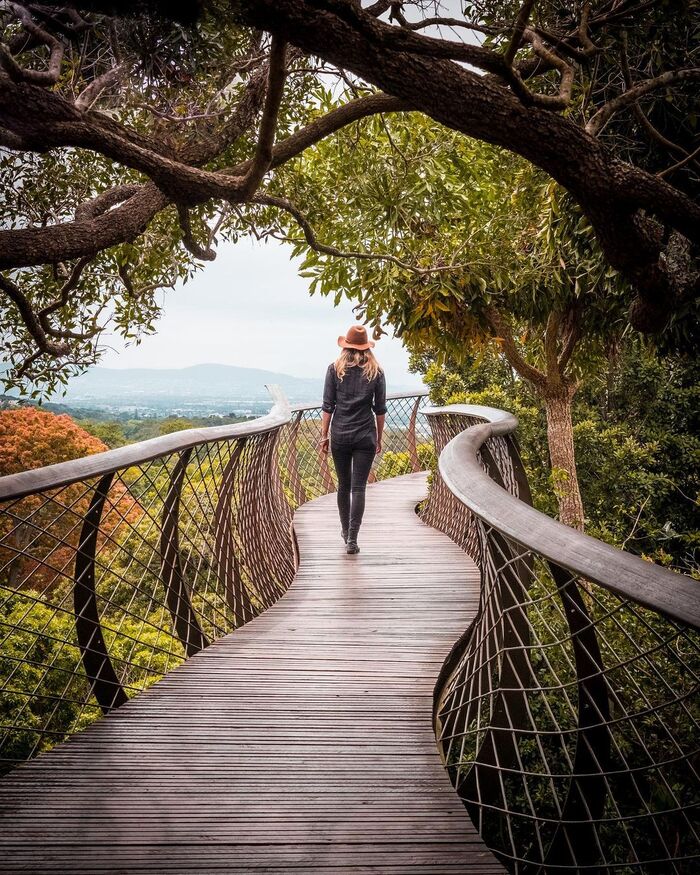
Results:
<point x="560" y="438"/>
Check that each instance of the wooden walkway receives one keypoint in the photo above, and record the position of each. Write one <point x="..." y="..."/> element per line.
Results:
<point x="303" y="742"/>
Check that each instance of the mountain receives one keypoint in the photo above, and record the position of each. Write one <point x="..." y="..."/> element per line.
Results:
<point x="197" y="389"/>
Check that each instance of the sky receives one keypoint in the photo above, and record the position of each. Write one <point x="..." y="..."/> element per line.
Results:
<point x="251" y="308"/>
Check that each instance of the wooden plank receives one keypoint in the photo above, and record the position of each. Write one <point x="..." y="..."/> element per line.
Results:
<point x="303" y="742"/>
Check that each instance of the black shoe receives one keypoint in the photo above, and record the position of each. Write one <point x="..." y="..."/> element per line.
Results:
<point x="352" y="547"/>
<point x="344" y="535"/>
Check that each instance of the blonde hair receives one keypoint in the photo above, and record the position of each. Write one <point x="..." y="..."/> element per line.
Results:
<point x="357" y="358"/>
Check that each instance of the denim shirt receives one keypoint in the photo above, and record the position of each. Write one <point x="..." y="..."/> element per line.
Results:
<point x="352" y="402"/>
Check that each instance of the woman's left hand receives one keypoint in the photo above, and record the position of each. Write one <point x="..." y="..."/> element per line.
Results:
<point x="378" y="448"/>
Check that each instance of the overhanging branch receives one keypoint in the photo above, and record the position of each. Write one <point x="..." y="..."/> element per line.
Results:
<point x="314" y="243"/>
<point x="266" y="134"/>
<point x="627" y="98"/>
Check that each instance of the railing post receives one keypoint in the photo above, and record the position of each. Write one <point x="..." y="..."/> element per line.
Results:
<point x="293" y="461"/>
<point x="227" y="565"/>
<point x="588" y="791"/>
<point x="185" y="620"/>
<point x="500" y="747"/>
<point x="102" y="677"/>
<point x="412" y="445"/>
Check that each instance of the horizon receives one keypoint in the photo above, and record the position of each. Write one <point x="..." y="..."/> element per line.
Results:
<point x="251" y="305"/>
<point x="212" y="364"/>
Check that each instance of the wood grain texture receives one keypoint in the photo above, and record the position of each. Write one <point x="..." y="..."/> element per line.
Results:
<point x="302" y="742"/>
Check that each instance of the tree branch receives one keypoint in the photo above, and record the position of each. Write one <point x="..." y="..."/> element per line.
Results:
<point x="90" y="94"/>
<point x="552" y="60"/>
<point x="503" y="335"/>
<point x="310" y="236"/>
<point x="653" y="132"/>
<point x="518" y="31"/>
<point x="24" y="247"/>
<point x="266" y="134"/>
<point x="631" y="96"/>
<point x="446" y="22"/>
<point x="140" y="203"/>
<point x="30" y="319"/>
<point x="681" y="163"/>
<point x="328" y="124"/>
<point x="22" y="74"/>
<point x="188" y="238"/>
<point x="64" y="294"/>
<point x="105" y="201"/>
<point x="588" y="46"/>
<point x="571" y="337"/>
<point x="402" y="39"/>
<point x="551" y="337"/>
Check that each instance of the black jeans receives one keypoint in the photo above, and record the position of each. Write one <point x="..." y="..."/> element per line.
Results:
<point x="352" y="465"/>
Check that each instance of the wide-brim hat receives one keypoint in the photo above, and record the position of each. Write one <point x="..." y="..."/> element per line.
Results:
<point x="356" y="338"/>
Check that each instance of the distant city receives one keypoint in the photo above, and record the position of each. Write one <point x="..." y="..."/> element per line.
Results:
<point x="197" y="391"/>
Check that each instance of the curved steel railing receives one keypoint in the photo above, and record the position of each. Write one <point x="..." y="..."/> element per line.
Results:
<point x="117" y="566"/>
<point x="568" y="712"/>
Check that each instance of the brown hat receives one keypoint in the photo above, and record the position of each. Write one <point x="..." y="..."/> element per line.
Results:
<point x="356" y="338"/>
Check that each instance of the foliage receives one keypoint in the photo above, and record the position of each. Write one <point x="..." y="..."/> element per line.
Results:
<point x="395" y="464"/>
<point x="173" y="424"/>
<point x="31" y="438"/>
<point x="110" y="433"/>
<point x="638" y="438"/>
<point x="40" y="532"/>
<point x="40" y="653"/>
<point x="119" y="432"/>
<point x="637" y="446"/>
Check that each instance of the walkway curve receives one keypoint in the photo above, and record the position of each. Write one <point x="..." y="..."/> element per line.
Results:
<point x="302" y="742"/>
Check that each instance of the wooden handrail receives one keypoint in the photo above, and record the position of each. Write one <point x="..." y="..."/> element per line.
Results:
<point x="646" y="583"/>
<point x="14" y="486"/>
<point x="19" y="485"/>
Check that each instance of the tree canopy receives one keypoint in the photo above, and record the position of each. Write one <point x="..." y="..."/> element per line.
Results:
<point x="464" y="246"/>
<point x="132" y="140"/>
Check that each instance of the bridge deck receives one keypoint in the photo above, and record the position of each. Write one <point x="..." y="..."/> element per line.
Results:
<point x="300" y="743"/>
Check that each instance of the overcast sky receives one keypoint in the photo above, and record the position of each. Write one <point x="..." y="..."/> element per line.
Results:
<point x="251" y="308"/>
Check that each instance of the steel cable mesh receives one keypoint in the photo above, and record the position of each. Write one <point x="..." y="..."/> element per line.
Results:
<point x="109" y="582"/>
<point x="444" y="511"/>
<point x="184" y="549"/>
<point x="569" y="720"/>
<point x="407" y="446"/>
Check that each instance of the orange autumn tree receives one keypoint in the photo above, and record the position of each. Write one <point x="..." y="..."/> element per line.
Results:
<point x="40" y="533"/>
<point x="32" y="438"/>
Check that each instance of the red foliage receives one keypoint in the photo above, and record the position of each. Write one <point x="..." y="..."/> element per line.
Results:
<point x="40" y="533"/>
<point x="31" y="438"/>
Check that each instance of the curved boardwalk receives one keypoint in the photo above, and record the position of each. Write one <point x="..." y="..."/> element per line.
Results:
<point x="302" y="742"/>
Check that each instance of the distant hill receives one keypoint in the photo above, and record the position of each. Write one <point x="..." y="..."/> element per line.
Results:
<point x="197" y="388"/>
<point x="196" y="391"/>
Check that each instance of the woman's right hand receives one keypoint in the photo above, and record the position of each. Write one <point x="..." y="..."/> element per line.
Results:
<point x="323" y="445"/>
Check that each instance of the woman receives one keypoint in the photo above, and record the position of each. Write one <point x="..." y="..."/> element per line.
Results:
<point x="354" y="389"/>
